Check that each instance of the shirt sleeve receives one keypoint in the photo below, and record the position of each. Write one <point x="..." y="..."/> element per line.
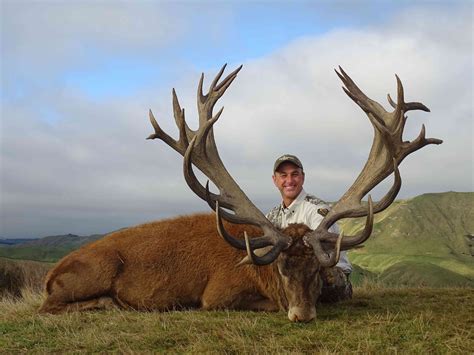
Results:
<point x="344" y="262"/>
<point x="313" y="218"/>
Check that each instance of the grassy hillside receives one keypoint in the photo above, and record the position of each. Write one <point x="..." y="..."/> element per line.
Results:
<point x="430" y="224"/>
<point x="420" y="240"/>
<point x="13" y="241"/>
<point x="421" y="273"/>
<point x="377" y="320"/>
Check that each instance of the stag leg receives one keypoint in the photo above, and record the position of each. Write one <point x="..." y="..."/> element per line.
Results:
<point x="82" y="281"/>
<point x="243" y="301"/>
<point x="259" y="304"/>
<point x="220" y="294"/>
<point x="55" y="307"/>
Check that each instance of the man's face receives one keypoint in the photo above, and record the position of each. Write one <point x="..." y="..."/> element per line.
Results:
<point x="289" y="180"/>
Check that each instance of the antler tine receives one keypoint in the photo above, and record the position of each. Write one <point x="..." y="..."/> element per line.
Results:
<point x="408" y="106"/>
<point x="192" y="180"/>
<point x="255" y="243"/>
<point x="185" y="133"/>
<point x="218" y="76"/>
<point x="324" y="259"/>
<point x="160" y="134"/>
<point x="387" y="152"/>
<point x="278" y="244"/>
<point x="357" y="95"/>
<point x="206" y="102"/>
<point x="222" y="87"/>
<point x="323" y="235"/>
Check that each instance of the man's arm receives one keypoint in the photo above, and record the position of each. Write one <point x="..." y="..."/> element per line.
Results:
<point x="314" y="218"/>
<point x="344" y="262"/>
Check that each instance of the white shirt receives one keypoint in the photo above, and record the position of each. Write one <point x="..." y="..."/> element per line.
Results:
<point x="304" y="209"/>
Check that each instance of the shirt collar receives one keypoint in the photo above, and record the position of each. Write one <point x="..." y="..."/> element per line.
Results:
<point x="299" y="199"/>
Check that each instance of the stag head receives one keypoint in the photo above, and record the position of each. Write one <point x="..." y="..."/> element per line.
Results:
<point x="300" y="254"/>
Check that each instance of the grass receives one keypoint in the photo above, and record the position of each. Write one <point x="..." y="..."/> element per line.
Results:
<point x="377" y="319"/>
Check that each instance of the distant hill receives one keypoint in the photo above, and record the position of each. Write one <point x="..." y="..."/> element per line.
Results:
<point x="420" y="240"/>
<point x="48" y="249"/>
<point x="62" y="241"/>
<point x="13" y="241"/>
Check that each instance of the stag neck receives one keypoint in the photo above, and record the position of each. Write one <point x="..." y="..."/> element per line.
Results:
<point x="270" y="284"/>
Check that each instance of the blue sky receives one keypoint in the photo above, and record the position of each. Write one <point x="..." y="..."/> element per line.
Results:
<point x="225" y="30"/>
<point x="78" y="78"/>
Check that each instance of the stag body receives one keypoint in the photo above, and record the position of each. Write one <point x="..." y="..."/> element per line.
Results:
<point x="182" y="262"/>
<point x="179" y="263"/>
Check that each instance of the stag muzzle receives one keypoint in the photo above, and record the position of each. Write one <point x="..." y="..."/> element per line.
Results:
<point x="302" y="314"/>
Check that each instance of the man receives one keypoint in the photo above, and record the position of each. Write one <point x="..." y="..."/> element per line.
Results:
<point x="299" y="207"/>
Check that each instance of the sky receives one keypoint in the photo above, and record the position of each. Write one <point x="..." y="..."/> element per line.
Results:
<point x="78" y="78"/>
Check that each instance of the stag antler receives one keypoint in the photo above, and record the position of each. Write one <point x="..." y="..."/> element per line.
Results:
<point x="387" y="152"/>
<point x="198" y="148"/>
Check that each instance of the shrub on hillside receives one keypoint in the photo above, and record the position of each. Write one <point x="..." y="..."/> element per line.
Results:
<point x="16" y="275"/>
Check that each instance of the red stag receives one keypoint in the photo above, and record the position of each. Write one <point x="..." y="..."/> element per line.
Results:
<point x="183" y="262"/>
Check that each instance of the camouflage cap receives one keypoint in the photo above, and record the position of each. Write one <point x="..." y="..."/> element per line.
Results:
<point x="287" y="158"/>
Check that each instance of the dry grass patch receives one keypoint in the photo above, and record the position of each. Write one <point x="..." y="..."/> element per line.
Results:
<point x="377" y="320"/>
<point x="16" y="275"/>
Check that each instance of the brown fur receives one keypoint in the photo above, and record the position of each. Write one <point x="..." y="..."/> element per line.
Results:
<point x="181" y="262"/>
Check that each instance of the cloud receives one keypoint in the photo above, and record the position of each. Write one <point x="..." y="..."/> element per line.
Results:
<point x="62" y="32"/>
<point x="94" y="44"/>
<point x="72" y="162"/>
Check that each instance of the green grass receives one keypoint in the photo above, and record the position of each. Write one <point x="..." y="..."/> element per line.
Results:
<point x="377" y="319"/>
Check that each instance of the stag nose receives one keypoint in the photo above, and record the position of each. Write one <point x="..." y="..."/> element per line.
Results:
<point x="299" y="314"/>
